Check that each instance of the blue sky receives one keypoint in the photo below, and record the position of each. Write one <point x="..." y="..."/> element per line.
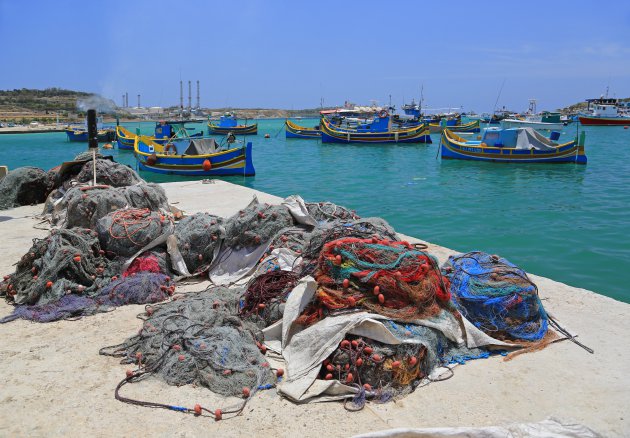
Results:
<point x="288" y="54"/>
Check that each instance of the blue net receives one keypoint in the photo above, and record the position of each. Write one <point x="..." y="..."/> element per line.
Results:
<point x="496" y="296"/>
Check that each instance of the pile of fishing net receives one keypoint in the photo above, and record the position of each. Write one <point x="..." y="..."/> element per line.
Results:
<point x="126" y="231"/>
<point x="496" y="296"/>
<point x="199" y="239"/>
<point x="85" y="206"/>
<point x="390" y="278"/>
<point x="67" y="261"/>
<point x="327" y="211"/>
<point x="199" y="339"/>
<point x="266" y="294"/>
<point x="24" y="186"/>
<point x="109" y="172"/>
<point x="255" y="225"/>
<point x="138" y="288"/>
<point x="382" y="371"/>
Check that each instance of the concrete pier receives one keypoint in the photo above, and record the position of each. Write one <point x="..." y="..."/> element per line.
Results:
<point x="56" y="384"/>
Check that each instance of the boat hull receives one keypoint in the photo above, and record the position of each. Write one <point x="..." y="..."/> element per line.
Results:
<point x="416" y="135"/>
<point x="541" y="126"/>
<point x="236" y="130"/>
<point x="237" y="161"/>
<point x="296" y="131"/>
<point x="569" y="152"/>
<point x="604" y="121"/>
<point x="124" y="138"/>
<point x="473" y="126"/>
<point x="82" y="136"/>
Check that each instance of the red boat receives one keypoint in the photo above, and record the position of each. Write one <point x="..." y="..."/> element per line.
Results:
<point x="604" y="112"/>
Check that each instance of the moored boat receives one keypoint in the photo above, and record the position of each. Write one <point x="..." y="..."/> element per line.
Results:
<point x="81" y="135"/>
<point x="520" y="145"/>
<point x="604" y="112"/>
<point x="193" y="157"/>
<point x="378" y="131"/>
<point x="125" y="138"/>
<point x="293" y="130"/>
<point x="473" y="126"/>
<point x="228" y="123"/>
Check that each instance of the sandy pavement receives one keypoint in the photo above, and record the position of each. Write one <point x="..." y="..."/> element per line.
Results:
<point x="56" y="384"/>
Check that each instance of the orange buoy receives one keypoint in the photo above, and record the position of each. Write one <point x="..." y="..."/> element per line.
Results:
<point x="328" y="376"/>
<point x="280" y="372"/>
<point x="354" y="344"/>
<point x="129" y="373"/>
<point x="77" y="258"/>
<point x="345" y="343"/>
<point x="381" y="298"/>
<point x="151" y="159"/>
<point x="359" y="362"/>
<point x="338" y="260"/>
<point x="207" y="165"/>
<point x="218" y="415"/>
<point x="367" y="350"/>
<point x="49" y="284"/>
<point x="346" y="283"/>
<point x="377" y="290"/>
<point x="625" y="127"/>
<point x="413" y="360"/>
<point x="267" y="136"/>
<point x="246" y="391"/>
<point x="197" y="409"/>
<point x="329" y="367"/>
<point x="376" y="358"/>
<point x="177" y="347"/>
<point x="367" y="386"/>
<point x="181" y="357"/>
<point x="351" y="302"/>
<point x="396" y="364"/>
<point x="349" y="378"/>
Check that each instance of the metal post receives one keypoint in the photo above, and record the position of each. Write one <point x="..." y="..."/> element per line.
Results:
<point x="92" y="138"/>
<point x="189" y="99"/>
<point x="198" y="104"/>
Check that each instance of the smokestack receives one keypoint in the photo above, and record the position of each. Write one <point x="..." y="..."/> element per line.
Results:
<point x="138" y="101"/>
<point x="126" y="100"/>
<point x="189" y="98"/>
<point x="181" y="96"/>
<point x="123" y="101"/>
<point x="198" y="105"/>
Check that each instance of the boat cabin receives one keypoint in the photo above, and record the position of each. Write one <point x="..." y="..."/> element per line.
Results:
<point x="517" y="138"/>
<point x="227" y="121"/>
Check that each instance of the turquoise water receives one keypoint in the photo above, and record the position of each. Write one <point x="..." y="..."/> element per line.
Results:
<point x="563" y="221"/>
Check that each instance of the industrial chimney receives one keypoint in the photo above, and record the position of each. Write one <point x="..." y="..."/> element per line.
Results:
<point x="198" y="105"/>
<point x="189" y="98"/>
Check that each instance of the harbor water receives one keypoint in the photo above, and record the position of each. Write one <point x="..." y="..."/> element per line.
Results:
<point x="567" y="222"/>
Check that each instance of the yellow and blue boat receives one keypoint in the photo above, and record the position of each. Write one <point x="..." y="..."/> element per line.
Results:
<point x="293" y="130"/>
<point x="519" y="145"/>
<point x="228" y="124"/>
<point x="81" y="135"/>
<point x="473" y="126"/>
<point x="378" y="130"/>
<point x="125" y="138"/>
<point x="194" y="156"/>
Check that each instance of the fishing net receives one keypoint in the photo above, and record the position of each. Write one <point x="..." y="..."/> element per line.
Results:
<point x="124" y="232"/>
<point x="87" y="156"/>
<point x="199" y="339"/>
<point x="361" y="228"/>
<point x="84" y="206"/>
<point x="154" y="262"/>
<point x="199" y="237"/>
<point x="327" y="211"/>
<point x="266" y="294"/>
<point x="140" y="288"/>
<point x="390" y="278"/>
<point x="67" y="261"/>
<point x="24" y="186"/>
<point x="109" y="173"/>
<point x="384" y="371"/>
<point x="255" y="225"/>
<point x="496" y="296"/>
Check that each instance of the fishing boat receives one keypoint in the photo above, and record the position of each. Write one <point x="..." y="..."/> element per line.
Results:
<point x="513" y="145"/>
<point x="473" y="126"/>
<point x="166" y="130"/>
<point x="228" y="123"/>
<point x="546" y="121"/>
<point x="125" y="138"/>
<point x="194" y="157"/>
<point x="379" y="130"/>
<point x="81" y="135"/>
<point x="293" y="130"/>
<point x="604" y="112"/>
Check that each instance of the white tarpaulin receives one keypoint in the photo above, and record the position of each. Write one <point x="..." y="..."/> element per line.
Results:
<point x="549" y="428"/>
<point x="304" y="349"/>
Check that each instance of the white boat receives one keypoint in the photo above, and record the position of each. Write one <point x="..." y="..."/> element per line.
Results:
<point x="545" y="121"/>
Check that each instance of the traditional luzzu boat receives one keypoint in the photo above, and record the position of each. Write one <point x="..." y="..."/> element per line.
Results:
<point x="379" y="130"/>
<point x="473" y="126"/>
<point x="293" y="130"/>
<point x="194" y="156"/>
<point x="81" y="135"/>
<point x="125" y="138"/>
<point x="228" y="123"/>
<point x="516" y="145"/>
